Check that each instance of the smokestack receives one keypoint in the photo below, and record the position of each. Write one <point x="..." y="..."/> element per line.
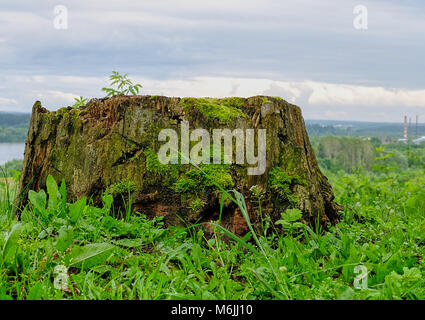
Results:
<point x="417" y="120"/>
<point x="405" y="128"/>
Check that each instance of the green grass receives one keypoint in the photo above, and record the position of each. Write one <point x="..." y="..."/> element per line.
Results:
<point x="78" y="251"/>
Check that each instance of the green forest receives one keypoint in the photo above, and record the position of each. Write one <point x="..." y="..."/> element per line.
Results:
<point x="61" y="250"/>
<point x="14" y="126"/>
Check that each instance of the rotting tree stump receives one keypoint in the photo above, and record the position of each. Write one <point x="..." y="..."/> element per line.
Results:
<point x="112" y="144"/>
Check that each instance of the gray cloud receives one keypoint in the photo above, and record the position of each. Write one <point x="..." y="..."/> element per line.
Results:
<point x="164" y="40"/>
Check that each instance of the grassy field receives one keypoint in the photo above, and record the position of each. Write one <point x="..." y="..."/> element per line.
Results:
<point x="77" y="251"/>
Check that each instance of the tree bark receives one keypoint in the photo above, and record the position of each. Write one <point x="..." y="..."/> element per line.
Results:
<point x="111" y="144"/>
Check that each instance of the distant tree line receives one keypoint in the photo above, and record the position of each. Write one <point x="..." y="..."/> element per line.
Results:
<point x="14" y="127"/>
<point x="318" y="130"/>
<point x="345" y="153"/>
<point x="14" y="119"/>
<point x="13" y="134"/>
<point x="362" y="129"/>
<point x="348" y="154"/>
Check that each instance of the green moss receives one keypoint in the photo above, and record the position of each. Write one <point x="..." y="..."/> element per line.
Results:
<point x="291" y="157"/>
<point x="153" y="165"/>
<point x="196" y="182"/>
<point x="47" y="115"/>
<point x="266" y="100"/>
<point x="62" y="111"/>
<point x="225" y="110"/>
<point x="197" y="205"/>
<point x="281" y="184"/>
<point x="185" y="185"/>
<point x="278" y="98"/>
<point x="158" y="172"/>
<point x="217" y="174"/>
<point x="121" y="188"/>
<point x="75" y="113"/>
<point x="233" y="102"/>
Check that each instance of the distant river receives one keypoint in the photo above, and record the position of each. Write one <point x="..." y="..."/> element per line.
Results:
<point x="11" y="151"/>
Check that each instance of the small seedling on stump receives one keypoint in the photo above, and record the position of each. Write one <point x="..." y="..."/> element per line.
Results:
<point x="124" y="86"/>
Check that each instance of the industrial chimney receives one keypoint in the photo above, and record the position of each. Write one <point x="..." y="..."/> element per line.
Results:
<point x="405" y="128"/>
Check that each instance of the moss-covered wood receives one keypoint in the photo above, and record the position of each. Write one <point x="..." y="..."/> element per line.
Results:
<point x="112" y="144"/>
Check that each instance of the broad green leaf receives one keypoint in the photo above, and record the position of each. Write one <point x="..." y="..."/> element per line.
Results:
<point x="11" y="244"/>
<point x="129" y="243"/>
<point x="38" y="200"/>
<point x="65" y="239"/>
<point x="36" y="292"/>
<point x="90" y="255"/>
<point x="52" y="190"/>
<point x="76" y="209"/>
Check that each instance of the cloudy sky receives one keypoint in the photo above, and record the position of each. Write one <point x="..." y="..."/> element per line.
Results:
<point x="306" y="51"/>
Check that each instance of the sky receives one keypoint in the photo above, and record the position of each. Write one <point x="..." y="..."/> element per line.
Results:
<point x="306" y="51"/>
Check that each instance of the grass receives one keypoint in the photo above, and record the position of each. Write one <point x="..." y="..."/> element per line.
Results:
<point x="78" y="251"/>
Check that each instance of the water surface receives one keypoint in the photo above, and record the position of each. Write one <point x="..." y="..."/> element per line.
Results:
<point x="11" y="151"/>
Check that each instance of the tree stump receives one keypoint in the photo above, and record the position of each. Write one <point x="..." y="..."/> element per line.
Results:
<point x="111" y="145"/>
